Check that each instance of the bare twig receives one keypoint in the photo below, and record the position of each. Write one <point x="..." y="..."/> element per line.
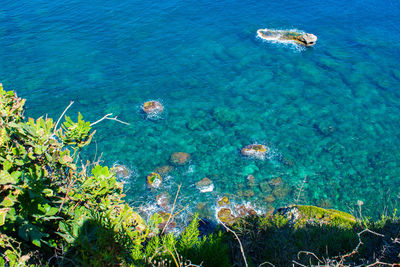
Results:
<point x="358" y="245"/>
<point x="65" y="110"/>
<point x="308" y="253"/>
<point x="240" y="243"/>
<point x="172" y="209"/>
<point x="107" y="117"/>
<point x="266" y="262"/>
<point x="301" y="188"/>
<point x="295" y="262"/>
<point x="380" y="264"/>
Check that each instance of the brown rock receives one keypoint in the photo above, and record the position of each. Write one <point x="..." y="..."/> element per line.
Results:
<point x="205" y="185"/>
<point x="121" y="171"/>
<point x="152" y="107"/>
<point x="164" y="170"/>
<point x="180" y="158"/>
<point x="255" y="151"/>
<point x="270" y="198"/>
<point x="276" y="181"/>
<point x="308" y="39"/>
<point x="163" y="200"/>
<point x="241" y="211"/>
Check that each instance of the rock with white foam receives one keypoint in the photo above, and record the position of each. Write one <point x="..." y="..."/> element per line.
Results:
<point x="205" y="185"/>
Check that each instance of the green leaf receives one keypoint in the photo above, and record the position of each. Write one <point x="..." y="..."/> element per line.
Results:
<point x="7" y="202"/>
<point x="11" y="257"/>
<point x="6" y="178"/>
<point x="3" y="214"/>
<point x="47" y="192"/>
<point x="7" y="165"/>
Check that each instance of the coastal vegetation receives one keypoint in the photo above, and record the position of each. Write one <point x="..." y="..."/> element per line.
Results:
<point x="58" y="209"/>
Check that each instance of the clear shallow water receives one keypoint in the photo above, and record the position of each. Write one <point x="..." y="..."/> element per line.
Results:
<point x="330" y="112"/>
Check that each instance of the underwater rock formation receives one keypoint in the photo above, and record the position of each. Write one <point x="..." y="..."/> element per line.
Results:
<point x="251" y="180"/>
<point x="257" y="151"/>
<point x="180" y="158"/>
<point x="225" y="116"/>
<point x="164" y="170"/>
<point x="306" y="39"/>
<point x="163" y="200"/>
<point x="205" y="185"/>
<point x="154" y="180"/>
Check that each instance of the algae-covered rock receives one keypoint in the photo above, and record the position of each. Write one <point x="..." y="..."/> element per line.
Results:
<point x="223" y="201"/>
<point x="305" y="214"/>
<point x="226" y="216"/>
<point x="154" y="180"/>
<point x="152" y="107"/>
<point x="257" y="151"/>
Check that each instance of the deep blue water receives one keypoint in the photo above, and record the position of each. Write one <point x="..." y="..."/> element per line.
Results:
<point x="330" y="113"/>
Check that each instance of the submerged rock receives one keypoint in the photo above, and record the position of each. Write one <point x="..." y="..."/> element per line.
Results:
<point x="163" y="200"/>
<point x="121" y="171"/>
<point x="180" y="158"/>
<point x="255" y="151"/>
<point x="275" y="182"/>
<point x="251" y="180"/>
<point x="152" y="107"/>
<point x="265" y="187"/>
<point x="248" y="193"/>
<point x="269" y="198"/>
<point x="281" y="191"/>
<point x="154" y="180"/>
<point x="205" y="185"/>
<point x="164" y="170"/>
<point x="225" y="116"/>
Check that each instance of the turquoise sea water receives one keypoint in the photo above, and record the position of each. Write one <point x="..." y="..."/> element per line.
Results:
<point x="330" y="113"/>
